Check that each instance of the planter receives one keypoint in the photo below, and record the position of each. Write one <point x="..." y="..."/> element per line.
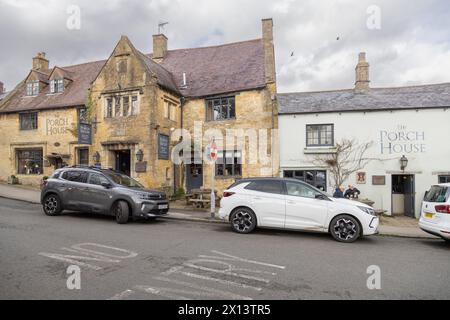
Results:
<point x="13" y="180"/>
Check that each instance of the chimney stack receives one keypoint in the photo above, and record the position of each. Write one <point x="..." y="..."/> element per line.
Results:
<point x="159" y="47"/>
<point x="39" y="62"/>
<point x="269" y="51"/>
<point x="2" y="87"/>
<point x="362" y="73"/>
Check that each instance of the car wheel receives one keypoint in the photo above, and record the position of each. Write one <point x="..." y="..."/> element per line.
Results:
<point x="52" y="205"/>
<point x="121" y="212"/>
<point x="345" y="228"/>
<point x="243" y="220"/>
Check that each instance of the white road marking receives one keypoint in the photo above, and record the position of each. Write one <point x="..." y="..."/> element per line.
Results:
<point x="227" y="282"/>
<point x="130" y="254"/>
<point x="220" y="293"/>
<point x="89" y="255"/>
<point x="228" y="271"/>
<point x="70" y="259"/>
<point x="122" y="295"/>
<point x="229" y="256"/>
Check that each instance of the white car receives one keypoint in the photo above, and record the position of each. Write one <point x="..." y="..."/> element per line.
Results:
<point x="435" y="217"/>
<point x="291" y="204"/>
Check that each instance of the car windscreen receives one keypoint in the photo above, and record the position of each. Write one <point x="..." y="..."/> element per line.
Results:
<point x="123" y="180"/>
<point x="437" y="194"/>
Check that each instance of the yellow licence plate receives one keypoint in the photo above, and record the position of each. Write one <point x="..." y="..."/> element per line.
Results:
<point x="429" y="215"/>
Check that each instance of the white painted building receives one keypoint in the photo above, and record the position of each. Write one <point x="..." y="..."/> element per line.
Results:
<point x="404" y="121"/>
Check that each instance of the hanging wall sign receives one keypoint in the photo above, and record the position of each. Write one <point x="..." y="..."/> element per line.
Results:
<point x="163" y="147"/>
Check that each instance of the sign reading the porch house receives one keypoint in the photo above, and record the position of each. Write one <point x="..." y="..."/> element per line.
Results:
<point x="402" y="141"/>
<point x="84" y="133"/>
<point x="163" y="147"/>
<point x="57" y="125"/>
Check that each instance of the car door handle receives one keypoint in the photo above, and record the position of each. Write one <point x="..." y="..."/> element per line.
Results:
<point x="256" y="198"/>
<point x="291" y="202"/>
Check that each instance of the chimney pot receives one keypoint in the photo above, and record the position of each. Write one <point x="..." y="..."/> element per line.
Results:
<point x="2" y="87"/>
<point x="362" y="73"/>
<point x="159" y="47"/>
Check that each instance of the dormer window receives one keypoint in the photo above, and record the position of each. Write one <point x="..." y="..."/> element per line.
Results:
<point x="33" y="88"/>
<point x="57" y="86"/>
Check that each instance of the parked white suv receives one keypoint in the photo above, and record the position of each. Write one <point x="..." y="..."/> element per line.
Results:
<point x="435" y="216"/>
<point x="292" y="204"/>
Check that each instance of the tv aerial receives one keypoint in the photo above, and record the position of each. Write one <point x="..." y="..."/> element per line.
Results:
<point x="161" y="26"/>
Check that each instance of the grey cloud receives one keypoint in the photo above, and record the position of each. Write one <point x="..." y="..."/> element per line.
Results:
<point x="399" y="53"/>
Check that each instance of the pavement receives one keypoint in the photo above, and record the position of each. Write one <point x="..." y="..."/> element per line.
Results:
<point x="42" y="257"/>
<point x="389" y="226"/>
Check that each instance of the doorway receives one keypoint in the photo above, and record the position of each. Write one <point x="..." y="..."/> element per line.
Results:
<point x="194" y="174"/>
<point x="123" y="162"/>
<point x="403" y="195"/>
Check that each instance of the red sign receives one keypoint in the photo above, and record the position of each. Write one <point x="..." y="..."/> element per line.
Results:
<point x="213" y="151"/>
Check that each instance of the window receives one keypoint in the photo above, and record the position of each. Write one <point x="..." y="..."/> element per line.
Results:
<point x="319" y="135"/>
<point x="444" y="179"/>
<point x="28" y="121"/>
<point x="229" y="163"/>
<point x="299" y="190"/>
<point x="220" y="109"/>
<point x="126" y="106"/>
<point x="172" y="112"/>
<point x="75" y="176"/>
<point x="33" y="88"/>
<point x="57" y="86"/>
<point x="269" y="186"/>
<point x="109" y="108"/>
<point x="166" y="109"/>
<point x="29" y="161"/>
<point x="117" y="107"/>
<point x="437" y="194"/>
<point x="316" y="178"/>
<point x="83" y="156"/>
<point x="97" y="179"/>
<point x="134" y="105"/>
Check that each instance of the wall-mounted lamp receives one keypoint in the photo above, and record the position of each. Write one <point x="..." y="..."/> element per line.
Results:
<point x="403" y="162"/>
<point x="140" y="155"/>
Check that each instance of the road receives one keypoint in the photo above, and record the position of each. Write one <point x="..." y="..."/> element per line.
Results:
<point x="170" y="259"/>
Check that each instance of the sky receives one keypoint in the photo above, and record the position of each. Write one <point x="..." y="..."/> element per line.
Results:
<point x="316" y="41"/>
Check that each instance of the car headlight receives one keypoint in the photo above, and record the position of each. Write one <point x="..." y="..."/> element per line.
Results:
<point x="367" y="210"/>
<point x="144" y="196"/>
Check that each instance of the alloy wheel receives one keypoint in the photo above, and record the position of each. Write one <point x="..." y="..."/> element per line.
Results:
<point x="51" y="205"/>
<point x="345" y="229"/>
<point x="242" y="221"/>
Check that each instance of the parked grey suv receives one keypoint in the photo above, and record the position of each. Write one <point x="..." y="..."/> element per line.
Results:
<point x="103" y="191"/>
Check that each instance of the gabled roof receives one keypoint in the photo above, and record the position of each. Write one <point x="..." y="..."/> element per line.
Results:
<point x="164" y="77"/>
<point x="374" y="99"/>
<point x="218" y="69"/>
<point x="75" y="94"/>
<point x="209" y="71"/>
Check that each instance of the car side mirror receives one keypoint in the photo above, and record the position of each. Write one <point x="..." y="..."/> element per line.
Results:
<point x="319" y="196"/>
<point x="106" y="185"/>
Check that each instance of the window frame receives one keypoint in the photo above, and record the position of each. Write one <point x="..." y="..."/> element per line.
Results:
<point x="57" y="85"/>
<point x="32" y="88"/>
<point x="35" y="121"/>
<point x="319" y="144"/>
<point x="40" y="160"/>
<point x="302" y="177"/>
<point x="79" y="150"/>
<point x="224" y="164"/>
<point x="444" y="176"/>
<point x="229" y="105"/>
